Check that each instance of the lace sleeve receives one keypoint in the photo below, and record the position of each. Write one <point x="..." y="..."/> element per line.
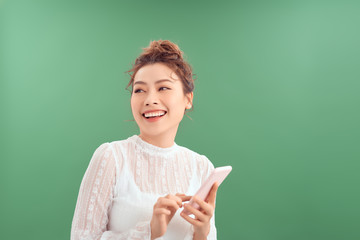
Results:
<point x="95" y="200"/>
<point x="207" y="168"/>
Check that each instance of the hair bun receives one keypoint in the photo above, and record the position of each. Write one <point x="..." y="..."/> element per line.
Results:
<point x="163" y="49"/>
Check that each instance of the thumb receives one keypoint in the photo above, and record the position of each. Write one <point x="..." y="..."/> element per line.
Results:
<point x="212" y="194"/>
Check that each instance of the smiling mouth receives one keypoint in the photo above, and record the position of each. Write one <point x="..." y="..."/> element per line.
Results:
<point x="154" y="114"/>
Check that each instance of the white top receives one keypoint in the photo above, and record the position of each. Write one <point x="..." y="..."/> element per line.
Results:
<point x="123" y="181"/>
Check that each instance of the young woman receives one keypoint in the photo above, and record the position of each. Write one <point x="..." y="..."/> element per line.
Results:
<point x="137" y="188"/>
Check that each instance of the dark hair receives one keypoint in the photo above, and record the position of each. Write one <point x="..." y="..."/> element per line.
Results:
<point x="168" y="53"/>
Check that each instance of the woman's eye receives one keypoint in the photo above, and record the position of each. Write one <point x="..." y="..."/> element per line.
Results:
<point x="163" y="88"/>
<point x="138" y="90"/>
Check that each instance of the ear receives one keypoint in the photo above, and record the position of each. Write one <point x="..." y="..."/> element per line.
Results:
<point x="189" y="100"/>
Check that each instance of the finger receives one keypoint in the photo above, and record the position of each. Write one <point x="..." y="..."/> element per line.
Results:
<point x="159" y="211"/>
<point x="167" y="203"/>
<point x="190" y="220"/>
<point x="177" y="199"/>
<point x="185" y="198"/>
<point x="206" y="207"/>
<point x="212" y="195"/>
<point x="198" y="215"/>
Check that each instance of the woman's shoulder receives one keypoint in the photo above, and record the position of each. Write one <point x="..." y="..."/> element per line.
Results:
<point x="121" y="144"/>
<point x="101" y="149"/>
<point x="202" y="161"/>
<point x="107" y="148"/>
<point x="111" y="154"/>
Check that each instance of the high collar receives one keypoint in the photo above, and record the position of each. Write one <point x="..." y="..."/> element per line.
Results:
<point x="148" y="147"/>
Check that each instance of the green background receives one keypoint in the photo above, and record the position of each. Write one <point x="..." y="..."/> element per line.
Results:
<point x="277" y="97"/>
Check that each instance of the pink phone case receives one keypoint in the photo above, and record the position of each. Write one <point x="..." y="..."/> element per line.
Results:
<point x="218" y="175"/>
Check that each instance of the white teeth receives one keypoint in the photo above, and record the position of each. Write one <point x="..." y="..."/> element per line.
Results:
<point x="154" y="114"/>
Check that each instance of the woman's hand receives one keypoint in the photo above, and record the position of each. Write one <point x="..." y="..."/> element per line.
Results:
<point x="201" y="222"/>
<point x="164" y="210"/>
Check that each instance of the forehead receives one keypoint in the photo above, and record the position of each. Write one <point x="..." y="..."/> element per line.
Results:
<point x="153" y="72"/>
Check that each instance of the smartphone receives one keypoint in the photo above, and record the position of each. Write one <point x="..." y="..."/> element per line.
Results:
<point x="218" y="175"/>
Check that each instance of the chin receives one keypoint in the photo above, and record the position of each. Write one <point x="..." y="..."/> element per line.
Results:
<point x="152" y="133"/>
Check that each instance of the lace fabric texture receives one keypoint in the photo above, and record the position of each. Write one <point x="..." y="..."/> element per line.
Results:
<point x="104" y="197"/>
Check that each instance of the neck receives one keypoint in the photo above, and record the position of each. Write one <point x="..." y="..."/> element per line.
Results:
<point x="161" y="140"/>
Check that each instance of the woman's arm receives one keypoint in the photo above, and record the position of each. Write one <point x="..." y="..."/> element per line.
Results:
<point x="94" y="201"/>
<point x="204" y="222"/>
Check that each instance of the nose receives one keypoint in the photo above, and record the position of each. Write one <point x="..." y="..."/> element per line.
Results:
<point x="151" y="99"/>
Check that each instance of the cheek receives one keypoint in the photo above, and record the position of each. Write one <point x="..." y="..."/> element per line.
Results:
<point x="133" y="104"/>
<point x="177" y="104"/>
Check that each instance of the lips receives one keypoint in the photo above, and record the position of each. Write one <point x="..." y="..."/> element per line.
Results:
<point x="154" y="114"/>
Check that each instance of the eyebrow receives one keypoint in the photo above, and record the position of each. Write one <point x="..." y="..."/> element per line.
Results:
<point x="158" y="81"/>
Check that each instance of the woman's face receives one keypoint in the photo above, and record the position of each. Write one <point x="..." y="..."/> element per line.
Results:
<point x="158" y="101"/>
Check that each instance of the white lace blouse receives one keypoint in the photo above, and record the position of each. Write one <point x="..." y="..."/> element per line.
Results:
<point x="123" y="181"/>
